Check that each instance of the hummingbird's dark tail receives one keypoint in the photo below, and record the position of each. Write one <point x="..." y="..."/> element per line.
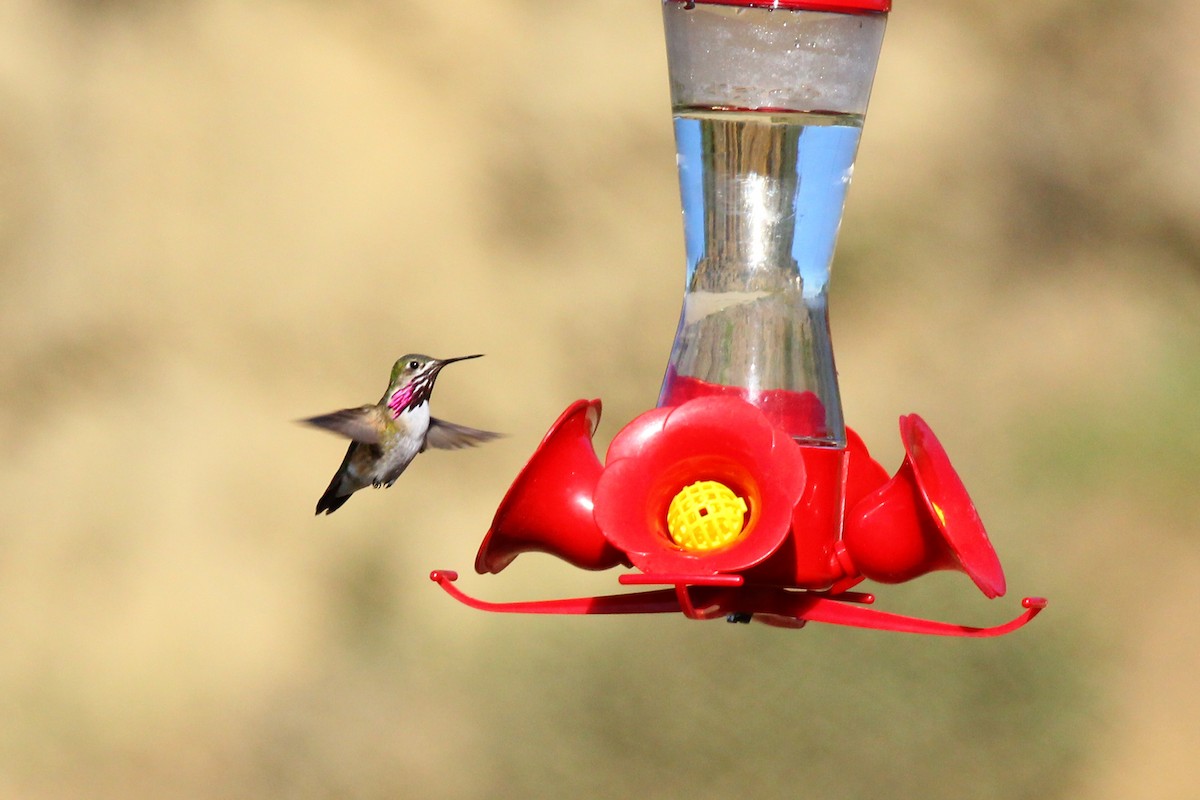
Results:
<point x="331" y="501"/>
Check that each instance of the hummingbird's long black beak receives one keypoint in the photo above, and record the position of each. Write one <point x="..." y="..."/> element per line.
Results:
<point x="444" y="361"/>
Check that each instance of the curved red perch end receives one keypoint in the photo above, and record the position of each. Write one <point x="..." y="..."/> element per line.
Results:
<point x="836" y="613"/>
<point x="656" y="602"/>
<point x="772" y="605"/>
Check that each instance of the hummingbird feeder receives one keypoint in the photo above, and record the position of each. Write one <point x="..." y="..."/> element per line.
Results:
<point x="743" y="494"/>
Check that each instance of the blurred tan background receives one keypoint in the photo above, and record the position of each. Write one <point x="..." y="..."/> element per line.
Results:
<point x="219" y="216"/>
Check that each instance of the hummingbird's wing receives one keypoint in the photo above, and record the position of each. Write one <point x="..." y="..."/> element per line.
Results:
<point x="448" y="436"/>
<point x="363" y="424"/>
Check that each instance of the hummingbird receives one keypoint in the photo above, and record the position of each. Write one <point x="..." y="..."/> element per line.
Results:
<point x="387" y="436"/>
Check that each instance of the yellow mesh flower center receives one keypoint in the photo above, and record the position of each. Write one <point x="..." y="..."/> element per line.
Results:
<point x="705" y="516"/>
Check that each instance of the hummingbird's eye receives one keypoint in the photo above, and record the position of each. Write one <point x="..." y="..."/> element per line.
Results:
<point x="414" y="364"/>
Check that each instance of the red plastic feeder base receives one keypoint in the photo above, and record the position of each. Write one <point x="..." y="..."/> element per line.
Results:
<point x="715" y="596"/>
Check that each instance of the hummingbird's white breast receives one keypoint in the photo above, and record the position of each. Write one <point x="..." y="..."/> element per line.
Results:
<point x="404" y="441"/>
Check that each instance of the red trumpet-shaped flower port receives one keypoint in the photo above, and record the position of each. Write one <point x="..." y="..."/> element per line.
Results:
<point x="703" y="488"/>
<point x="548" y="508"/>
<point x="921" y="520"/>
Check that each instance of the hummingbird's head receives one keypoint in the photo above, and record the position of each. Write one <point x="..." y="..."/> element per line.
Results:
<point x="412" y="379"/>
<point x="407" y="368"/>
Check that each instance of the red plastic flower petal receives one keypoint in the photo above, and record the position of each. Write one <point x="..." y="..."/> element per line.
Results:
<point x="664" y="452"/>
<point x="548" y="508"/>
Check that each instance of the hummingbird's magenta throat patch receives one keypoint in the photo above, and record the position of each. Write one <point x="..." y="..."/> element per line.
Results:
<point x="411" y="395"/>
<point x="400" y="400"/>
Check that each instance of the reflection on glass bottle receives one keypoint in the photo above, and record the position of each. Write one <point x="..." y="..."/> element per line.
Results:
<point x="763" y="193"/>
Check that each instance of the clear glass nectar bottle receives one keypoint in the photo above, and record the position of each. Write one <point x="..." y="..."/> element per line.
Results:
<point x="768" y="102"/>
